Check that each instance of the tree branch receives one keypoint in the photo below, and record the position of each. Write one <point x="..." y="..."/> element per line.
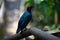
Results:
<point x="41" y="34"/>
<point x="33" y="31"/>
<point x="19" y="36"/>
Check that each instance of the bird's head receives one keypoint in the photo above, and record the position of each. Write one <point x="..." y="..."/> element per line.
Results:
<point x="29" y="8"/>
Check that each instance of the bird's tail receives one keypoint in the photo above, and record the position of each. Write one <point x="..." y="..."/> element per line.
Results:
<point x="18" y="30"/>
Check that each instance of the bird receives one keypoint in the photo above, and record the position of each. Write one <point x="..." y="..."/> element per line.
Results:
<point x="25" y="19"/>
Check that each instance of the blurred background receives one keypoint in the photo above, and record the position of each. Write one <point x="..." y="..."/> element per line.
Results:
<point x="9" y="18"/>
<point x="45" y="14"/>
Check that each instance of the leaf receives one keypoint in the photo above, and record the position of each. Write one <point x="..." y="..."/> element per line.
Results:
<point x="43" y="7"/>
<point x="30" y="2"/>
<point x="53" y="27"/>
<point x="27" y="2"/>
<point x="38" y="1"/>
<point x="48" y="12"/>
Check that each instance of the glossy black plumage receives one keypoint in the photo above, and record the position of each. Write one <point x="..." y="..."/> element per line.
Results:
<point x="25" y="19"/>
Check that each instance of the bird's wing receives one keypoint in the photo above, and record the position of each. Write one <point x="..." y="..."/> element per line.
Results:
<point x="25" y="22"/>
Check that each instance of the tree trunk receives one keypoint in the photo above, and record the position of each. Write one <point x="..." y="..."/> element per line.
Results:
<point x="11" y="16"/>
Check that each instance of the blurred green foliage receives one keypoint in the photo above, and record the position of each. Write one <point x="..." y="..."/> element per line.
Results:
<point x="43" y="13"/>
